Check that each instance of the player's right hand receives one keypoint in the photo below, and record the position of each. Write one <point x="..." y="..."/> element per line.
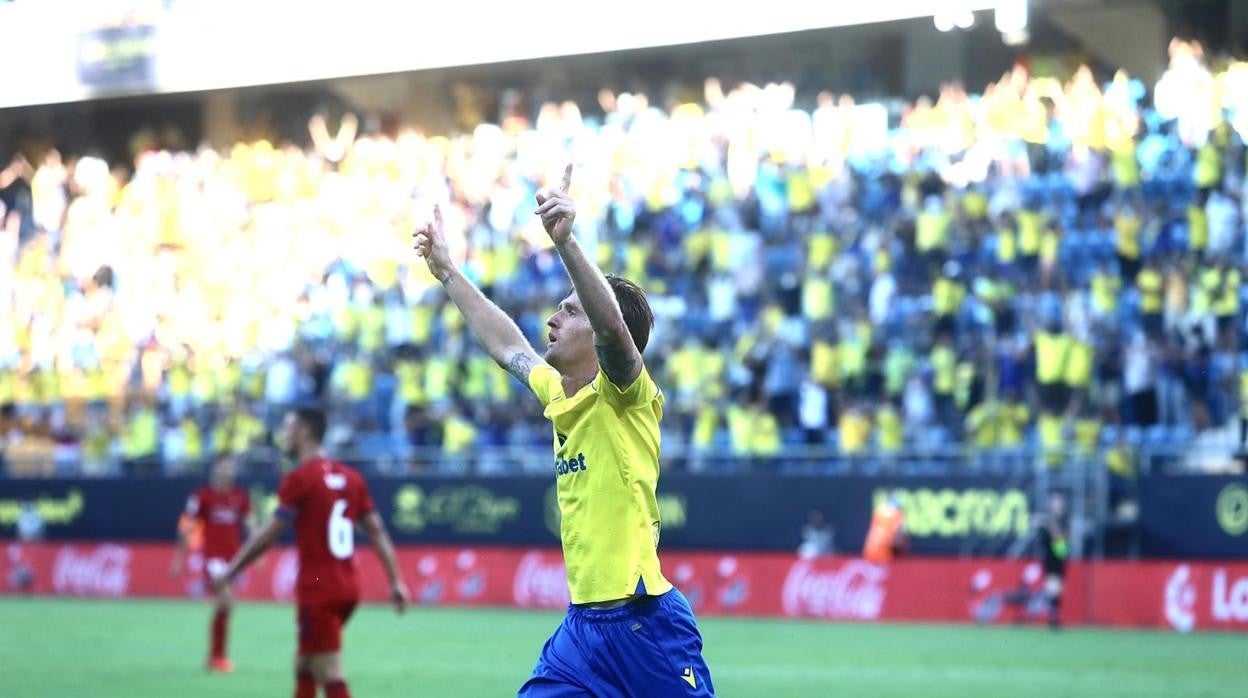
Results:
<point x="430" y="243"/>
<point x="175" y="568"/>
<point x="399" y="597"/>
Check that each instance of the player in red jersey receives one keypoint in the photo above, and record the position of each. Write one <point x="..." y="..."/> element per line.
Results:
<point x="217" y="514"/>
<point x="325" y="501"/>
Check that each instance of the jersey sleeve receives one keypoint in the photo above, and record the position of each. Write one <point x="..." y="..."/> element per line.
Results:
<point x="546" y="384"/>
<point x="291" y="493"/>
<point x="642" y="392"/>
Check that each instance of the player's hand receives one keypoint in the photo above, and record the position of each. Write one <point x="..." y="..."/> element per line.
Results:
<point x="557" y="210"/>
<point x="399" y="597"/>
<point x="221" y="582"/>
<point x="175" y="567"/>
<point x="430" y="242"/>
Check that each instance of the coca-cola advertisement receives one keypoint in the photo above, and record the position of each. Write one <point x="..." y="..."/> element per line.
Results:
<point x="1182" y="596"/>
<point x="102" y="570"/>
<point x="540" y="581"/>
<point x="852" y="590"/>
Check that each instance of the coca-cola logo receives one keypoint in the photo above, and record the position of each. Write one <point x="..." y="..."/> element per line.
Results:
<point x="1181" y="599"/>
<point x="540" y="583"/>
<point x="104" y="571"/>
<point x="855" y="590"/>
<point x="285" y="575"/>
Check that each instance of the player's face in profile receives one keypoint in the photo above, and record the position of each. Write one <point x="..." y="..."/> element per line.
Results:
<point x="569" y="336"/>
<point x="286" y="439"/>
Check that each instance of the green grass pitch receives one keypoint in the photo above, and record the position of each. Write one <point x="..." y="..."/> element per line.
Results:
<point x="139" y="649"/>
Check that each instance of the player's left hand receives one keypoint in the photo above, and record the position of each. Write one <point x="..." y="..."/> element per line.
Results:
<point x="557" y="210"/>
<point x="399" y="597"/>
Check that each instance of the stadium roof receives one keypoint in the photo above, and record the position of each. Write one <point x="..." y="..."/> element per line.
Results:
<point x="80" y="50"/>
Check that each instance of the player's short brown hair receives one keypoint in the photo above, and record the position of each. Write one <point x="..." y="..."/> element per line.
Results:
<point x="636" y="309"/>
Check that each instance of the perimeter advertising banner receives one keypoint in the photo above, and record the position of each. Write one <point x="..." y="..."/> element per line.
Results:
<point x="1183" y="596"/>
<point x="1191" y="517"/>
<point x="950" y="515"/>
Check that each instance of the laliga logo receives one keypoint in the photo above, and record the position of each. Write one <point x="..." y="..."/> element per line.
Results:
<point x="540" y="584"/>
<point x="1181" y="600"/>
<point x="856" y="590"/>
<point x="1230" y="601"/>
<point x="285" y="573"/>
<point x="102" y="572"/>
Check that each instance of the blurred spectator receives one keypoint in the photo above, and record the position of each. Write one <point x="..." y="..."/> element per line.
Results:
<point x="818" y="537"/>
<point x="30" y="523"/>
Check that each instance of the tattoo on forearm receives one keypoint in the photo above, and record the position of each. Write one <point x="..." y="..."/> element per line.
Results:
<point x="617" y="362"/>
<point x="520" y="365"/>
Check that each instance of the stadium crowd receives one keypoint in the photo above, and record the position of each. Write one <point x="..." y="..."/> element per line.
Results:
<point x="1046" y="263"/>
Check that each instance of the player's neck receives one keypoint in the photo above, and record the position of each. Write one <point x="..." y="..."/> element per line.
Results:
<point x="309" y="453"/>
<point x="576" y="379"/>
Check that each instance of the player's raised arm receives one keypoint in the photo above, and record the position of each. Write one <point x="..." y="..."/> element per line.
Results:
<point x="252" y="549"/>
<point x="618" y="355"/>
<point x="491" y="326"/>
<point x="376" y="531"/>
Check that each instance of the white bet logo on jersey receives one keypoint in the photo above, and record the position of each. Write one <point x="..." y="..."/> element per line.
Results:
<point x="335" y="481"/>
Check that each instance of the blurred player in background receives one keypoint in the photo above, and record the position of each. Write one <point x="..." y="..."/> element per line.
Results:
<point x="212" y="527"/>
<point x="324" y="500"/>
<point x="1054" y="549"/>
<point x="628" y="631"/>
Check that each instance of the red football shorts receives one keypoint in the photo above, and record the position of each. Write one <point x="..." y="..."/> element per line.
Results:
<point x="321" y="624"/>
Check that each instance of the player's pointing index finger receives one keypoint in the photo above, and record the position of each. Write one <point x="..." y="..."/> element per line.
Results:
<point x="567" y="179"/>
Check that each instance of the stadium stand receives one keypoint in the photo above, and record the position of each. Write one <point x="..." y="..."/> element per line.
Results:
<point x="1037" y="265"/>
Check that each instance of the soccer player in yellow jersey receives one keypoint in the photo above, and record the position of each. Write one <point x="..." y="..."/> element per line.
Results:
<point x="628" y="632"/>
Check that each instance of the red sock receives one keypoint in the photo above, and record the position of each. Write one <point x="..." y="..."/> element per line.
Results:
<point x="220" y="626"/>
<point x="305" y="685"/>
<point x="337" y="689"/>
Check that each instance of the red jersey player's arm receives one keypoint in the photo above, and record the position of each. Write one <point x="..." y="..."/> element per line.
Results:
<point x="257" y="544"/>
<point x="248" y="521"/>
<point x="376" y="530"/>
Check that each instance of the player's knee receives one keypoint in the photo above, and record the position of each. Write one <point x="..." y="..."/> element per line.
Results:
<point x="326" y="668"/>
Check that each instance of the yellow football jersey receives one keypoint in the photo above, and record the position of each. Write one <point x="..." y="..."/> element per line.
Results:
<point x="606" y="470"/>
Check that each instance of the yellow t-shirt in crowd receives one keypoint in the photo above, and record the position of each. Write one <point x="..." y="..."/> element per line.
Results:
<point x="944" y="370"/>
<point x="855" y="431"/>
<point x="1051" y="351"/>
<point x="1149" y="283"/>
<point x="1127" y="236"/>
<point x="1078" y="364"/>
<point x="889" y="430"/>
<point x="1030" y="226"/>
<point x="1197" y="229"/>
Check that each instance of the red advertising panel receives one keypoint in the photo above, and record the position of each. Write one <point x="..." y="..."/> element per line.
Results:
<point x="1184" y="596"/>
